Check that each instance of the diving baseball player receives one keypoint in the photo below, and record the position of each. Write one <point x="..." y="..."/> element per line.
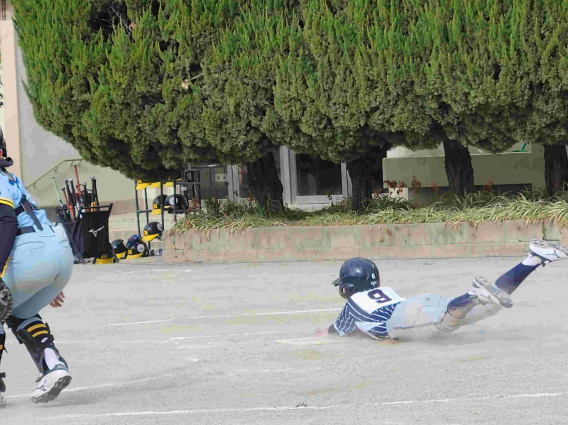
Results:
<point x="380" y="313"/>
<point x="35" y="264"/>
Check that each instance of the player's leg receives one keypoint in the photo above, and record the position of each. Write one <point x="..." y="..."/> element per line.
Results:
<point x="540" y="253"/>
<point x="483" y="294"/>
<point x="428" y="315"/>
<point x="30" y="330"/>
<point x="37" y="338"/>
<point x="2" y="375"/>
<point x="417" y="317"/>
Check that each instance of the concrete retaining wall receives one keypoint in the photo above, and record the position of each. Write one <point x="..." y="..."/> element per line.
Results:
<point x="438" y="240"/>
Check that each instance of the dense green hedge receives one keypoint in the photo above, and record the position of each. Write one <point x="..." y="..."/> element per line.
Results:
<point x="144" y="86"/>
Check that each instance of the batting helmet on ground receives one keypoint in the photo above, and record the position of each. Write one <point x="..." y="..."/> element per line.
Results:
<point x="137" y="248"/>
<point x="118" y="248"/>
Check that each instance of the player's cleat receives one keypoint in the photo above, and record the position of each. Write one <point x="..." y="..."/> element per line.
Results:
<point x="51" y="384"/>
<point x="547" y="251"/>
<point x="489" y="293"/>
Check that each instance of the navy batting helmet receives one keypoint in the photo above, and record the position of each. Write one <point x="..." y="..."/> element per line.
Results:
<point x="118" y="248"/>
<point x="151" y="231"/>
<point x="137" y="248"/>
<point x="158" y="203"/>
<point x="179" y="201"/>
<point x="357" y="275"/>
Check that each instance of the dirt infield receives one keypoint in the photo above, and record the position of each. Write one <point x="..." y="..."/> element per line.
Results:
<point x="152" y="343"/>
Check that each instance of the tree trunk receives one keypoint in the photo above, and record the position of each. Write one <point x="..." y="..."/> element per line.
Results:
<point x="364" y="172"/>
<point x="264" y="183"/>
<point x="555" y="168"/>
<point x="458" y="167"/>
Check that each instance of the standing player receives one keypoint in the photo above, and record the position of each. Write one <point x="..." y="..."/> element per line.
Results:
<point x="380" y="313"/>
<point x="35" y="266"/>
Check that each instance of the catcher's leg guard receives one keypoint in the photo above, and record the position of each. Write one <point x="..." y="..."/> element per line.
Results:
<point x="37" y="338"/>
<point x="2" y="375"/>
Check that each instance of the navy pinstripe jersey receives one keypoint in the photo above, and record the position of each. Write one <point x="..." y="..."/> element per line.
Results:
<point x="368" y="312"/>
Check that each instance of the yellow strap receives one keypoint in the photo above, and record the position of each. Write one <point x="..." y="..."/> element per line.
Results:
<point x="33" y="328"/>
<point x="40" y="333"/>
<point x="6" y="201"/>
<point x="5" y="267"/>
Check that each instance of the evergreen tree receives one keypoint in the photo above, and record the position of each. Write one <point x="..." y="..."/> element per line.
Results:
<point x="121" y="80"/>
<point x="238" y="115"/>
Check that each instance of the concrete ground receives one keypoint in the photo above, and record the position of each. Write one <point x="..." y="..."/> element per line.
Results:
<point x="150" y="343"/>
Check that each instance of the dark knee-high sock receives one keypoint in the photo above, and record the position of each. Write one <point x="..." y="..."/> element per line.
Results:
<point x="514" y="277"/>
<point x="460" y="306"/>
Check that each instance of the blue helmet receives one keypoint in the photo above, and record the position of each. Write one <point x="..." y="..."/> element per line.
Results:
<point x="357" y="275"/>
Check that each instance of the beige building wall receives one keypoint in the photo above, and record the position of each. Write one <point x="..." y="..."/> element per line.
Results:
<point x="38" y="154"/>
<point x="508" y="168"/>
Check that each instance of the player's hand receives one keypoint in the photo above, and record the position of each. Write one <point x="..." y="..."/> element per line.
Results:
<point x="58" y="301"/>
<point x="322" y="332"/>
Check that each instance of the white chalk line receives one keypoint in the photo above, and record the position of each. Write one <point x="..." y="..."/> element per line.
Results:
<point x="140" y="323"/>
<point x="227" y="315"/>
<point x="298" y="408"/>
<point x="164" y="341"/>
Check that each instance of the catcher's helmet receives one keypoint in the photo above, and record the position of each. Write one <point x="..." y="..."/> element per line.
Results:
<point x="158" y="204"/>
<point x="151" y="231"/>
<point x="357" y="275"/>
<point x="179" y="201"/>
<point x="118" y="248"/>
<point x="3" y="149"/>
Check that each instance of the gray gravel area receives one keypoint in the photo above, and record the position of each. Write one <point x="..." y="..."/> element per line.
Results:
<point x="153" y="343"/>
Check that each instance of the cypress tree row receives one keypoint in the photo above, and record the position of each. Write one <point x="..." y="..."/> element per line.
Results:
<point x="145" y="86"/>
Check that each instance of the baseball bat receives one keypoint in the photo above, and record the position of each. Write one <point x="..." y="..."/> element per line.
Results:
<point x="74" y="197"/>
<point x="68" y="202"/>
<point x="57" y="192"/>
<point x="69" y="193"/>
<point x="95" y="191"/>
<point x="82" y="200"/>
<point x="86" y="202"/>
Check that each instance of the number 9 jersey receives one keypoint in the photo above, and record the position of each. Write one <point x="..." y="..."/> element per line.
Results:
<point x="368" y="312"/>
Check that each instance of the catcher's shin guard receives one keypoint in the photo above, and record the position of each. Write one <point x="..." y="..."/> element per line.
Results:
<point x="2" y="375"/>
<point x="36" y="336"/>
<point x="2" y="344"/>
